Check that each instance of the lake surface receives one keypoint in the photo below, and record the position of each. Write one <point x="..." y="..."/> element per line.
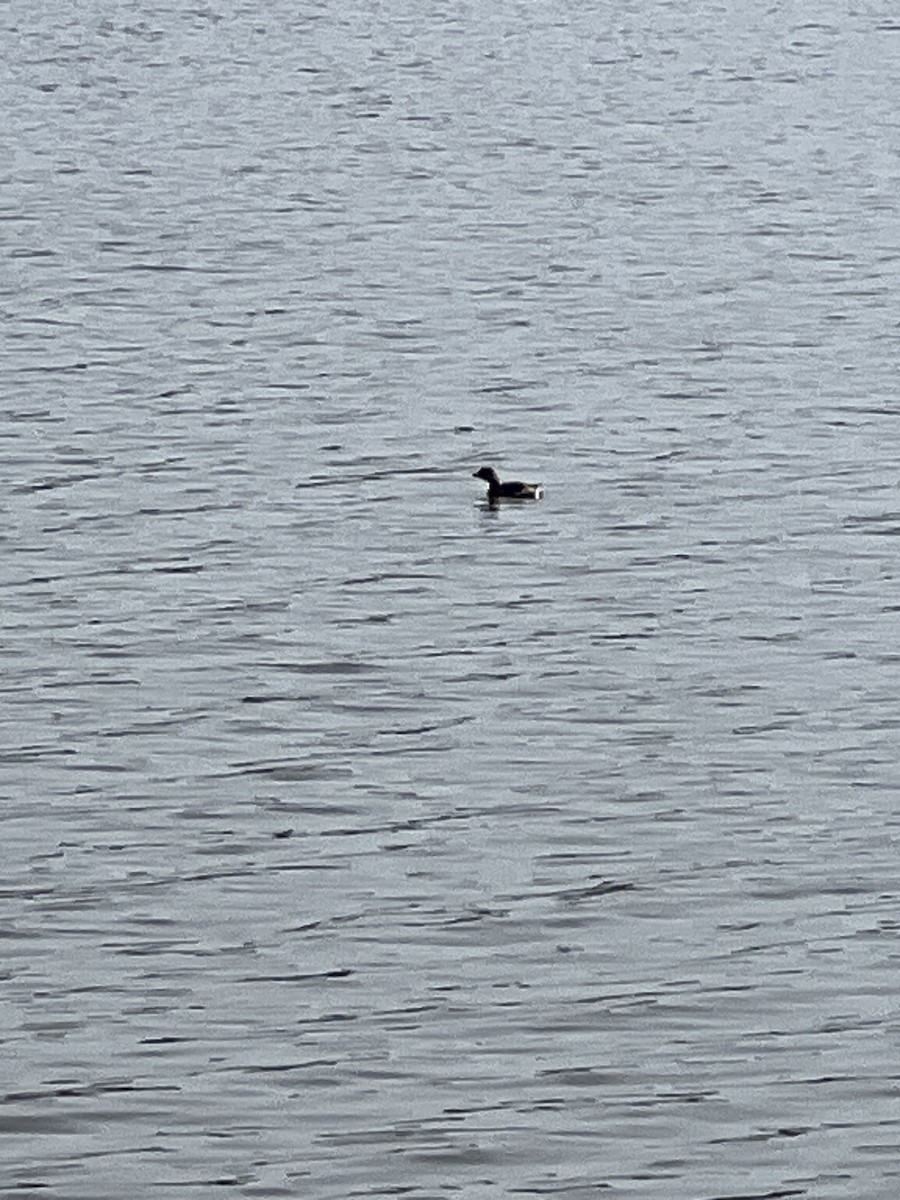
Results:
<point x="360" y="840"/>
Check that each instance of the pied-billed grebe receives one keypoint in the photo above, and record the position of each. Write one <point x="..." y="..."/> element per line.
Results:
<point x="513" y="489"/>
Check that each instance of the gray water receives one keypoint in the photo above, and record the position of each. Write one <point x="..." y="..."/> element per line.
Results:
<point x="360" y="840"/>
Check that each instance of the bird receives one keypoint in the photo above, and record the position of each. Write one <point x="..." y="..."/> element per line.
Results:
<point x="513" y="489"/>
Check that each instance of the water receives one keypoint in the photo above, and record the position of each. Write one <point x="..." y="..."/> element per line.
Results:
<point x="360" y="840"/>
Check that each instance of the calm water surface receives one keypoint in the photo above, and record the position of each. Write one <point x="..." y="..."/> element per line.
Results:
<point x="359" y="840"/>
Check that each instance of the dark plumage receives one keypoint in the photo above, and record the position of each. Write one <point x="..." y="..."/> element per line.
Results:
<point x="513" y="489"/>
